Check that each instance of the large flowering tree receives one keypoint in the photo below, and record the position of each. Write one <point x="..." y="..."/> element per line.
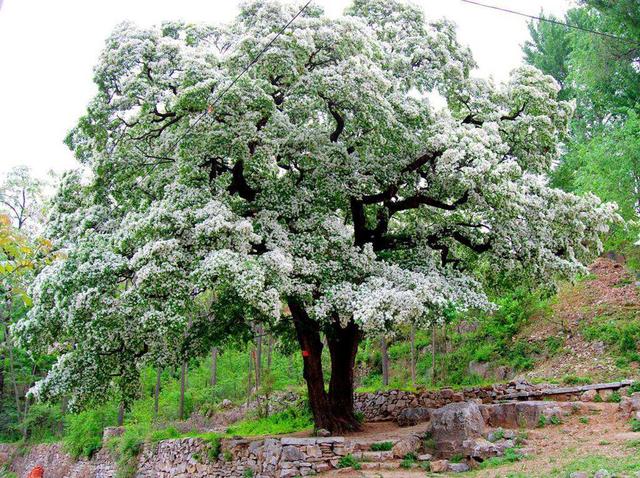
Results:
<point x="323" y="190"/>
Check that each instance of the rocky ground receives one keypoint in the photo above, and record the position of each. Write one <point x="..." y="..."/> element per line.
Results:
<point x="595" y="439"/>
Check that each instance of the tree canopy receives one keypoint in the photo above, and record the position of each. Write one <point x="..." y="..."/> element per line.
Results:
<point x="323" y="191"/>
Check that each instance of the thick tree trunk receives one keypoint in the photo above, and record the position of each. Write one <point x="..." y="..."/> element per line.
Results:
<point x="385" y="361"/>
<point x="333" y="410"/>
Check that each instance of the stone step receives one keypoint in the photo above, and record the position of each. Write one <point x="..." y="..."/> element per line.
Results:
<point x="373" y="456"/>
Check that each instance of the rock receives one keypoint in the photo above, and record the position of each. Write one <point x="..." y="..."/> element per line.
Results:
<point x="602" y="474"/>
<point x="523" y="414"/>
<point x="480" y="369"/>
<point x="458" y="467"/>
<point x="410" y="417"/>
<point x="578" y="474"/>
<point x="630" y="404"/>
<point x="439" y="466"/>
<point x="452" y="424"/>
<point x="589" y="396"/>
<point x="424" y="457"/>
<point x="292" y="453"/>
<point x="481" y="449"/>
<point x="226" y="403"/>
<point x="110" y="432"/>
<point x="409" y="444"/>
<point x="323" y="432"/>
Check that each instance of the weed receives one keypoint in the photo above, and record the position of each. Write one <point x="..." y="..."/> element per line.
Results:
<point x="604" y="443"/>
<point x="584" y="420"/>
<point x="635" y="424"/>
<point x="349" y="461"/>
<point x="382" y="446"/>
<point x="359" y="417"/>
<point x="614" y="397"/>
<point x="542" y="421"/>
<point x="227" y="455"/>
<point x="555" y="420"/>
<point x="457" y="458"/>
<point x="575" y="380"/>
<point x="597" y="398"/>
<point x="248" y="473"/>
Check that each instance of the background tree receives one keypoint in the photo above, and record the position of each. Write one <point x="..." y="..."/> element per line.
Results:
<point x="322" y="179"/>
<point x="601" y="74"/>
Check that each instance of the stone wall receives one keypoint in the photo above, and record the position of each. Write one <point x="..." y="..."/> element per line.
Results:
<point x="387" y="405"/>
<point x="190" y="457"/>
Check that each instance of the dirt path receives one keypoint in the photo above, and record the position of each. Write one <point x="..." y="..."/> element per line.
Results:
<point x="555" y="449"/>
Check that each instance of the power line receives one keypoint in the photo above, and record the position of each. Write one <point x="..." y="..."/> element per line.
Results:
<point x="235" y="80"/>
<point x="550" y="20"/>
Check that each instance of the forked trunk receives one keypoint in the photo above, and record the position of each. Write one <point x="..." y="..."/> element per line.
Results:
<point x="332" y="410"/>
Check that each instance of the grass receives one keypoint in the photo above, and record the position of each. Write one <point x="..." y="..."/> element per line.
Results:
<point x="511" y="455"/>
<point x="593" y="463"/>
<point x="288" y="421"/>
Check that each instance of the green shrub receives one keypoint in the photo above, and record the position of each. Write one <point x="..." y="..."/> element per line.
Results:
<point x="349" y="461"/>
<point x="555" y="420"/>
<point x="382" y="446"/>
<point x="84" y="430"/>
<point x="597" y="398"/>
<point x="457" y="458"/>
<point x="584" y="420"/>
<point x="359" y="417"/>
<point x="635" y="424"/>
<point x="542" y="421"/>
<point x="248" y="473"/>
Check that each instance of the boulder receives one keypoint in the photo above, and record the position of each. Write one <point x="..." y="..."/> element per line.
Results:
<point x="602" y="474"/>
<point x="452" y="424"/>
<point x="410" y="444"/>
<point x="439" y="466"/>
<point x="524" y="414"/>
<point x="630" y="404"/>
<point x="480" y="449"/>
<point x="578" y="474"/>
<point x="589" y="396"/>
<point x="323" y="432"/>
<point x="458" y="467"/>
<point x="410" y="417"/>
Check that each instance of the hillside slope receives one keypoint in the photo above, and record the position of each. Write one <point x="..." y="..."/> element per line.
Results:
<point x="593" y="327"/>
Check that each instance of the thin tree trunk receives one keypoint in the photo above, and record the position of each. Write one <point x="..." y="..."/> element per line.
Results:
<point x="413" y="355"/>
<point x="121" y="410"/>
<point x="333" y="410"/>
<point x="14" y="380"/>
<point x="156" y="393"/>
<point x="214" y="366"/>
<point x="385" y="361"/>
<point x="433" y="354"/>
<point x="269" y="352"/>
<point x="444" y="352"/>
<point x="258" y="364"/>
<point x="183" y="383"/>
<point x="63" y="411"/>
<point x="250" y="374"/>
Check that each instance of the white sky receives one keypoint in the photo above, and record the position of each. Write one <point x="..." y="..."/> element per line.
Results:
<point x="48" y="49"/>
